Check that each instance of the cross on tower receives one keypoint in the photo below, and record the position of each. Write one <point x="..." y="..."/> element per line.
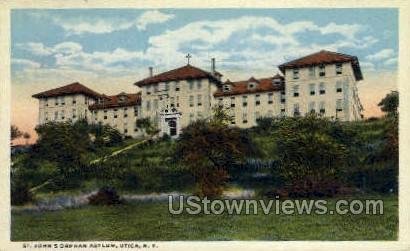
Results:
<point x="188" y="56"/>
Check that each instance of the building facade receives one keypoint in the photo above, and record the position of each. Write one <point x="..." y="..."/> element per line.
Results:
<point x="324" y="82"/>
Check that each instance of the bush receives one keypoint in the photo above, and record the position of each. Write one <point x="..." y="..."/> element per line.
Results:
<point x="20" y="193"/>
<point x="105" y="196"/>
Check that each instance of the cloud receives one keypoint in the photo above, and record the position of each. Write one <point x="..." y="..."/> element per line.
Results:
<point x="367" y="66"/>
<point x="391" y="61"/>
<point x="25" y="63"/>
<point x="152" y="17"/>
<point x="81" y="26"/>
<point x="381" y="55"/>
<point x="35" y="48"/>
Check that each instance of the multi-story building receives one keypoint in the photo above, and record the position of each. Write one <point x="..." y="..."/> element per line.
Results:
<point x="324" y="82"/>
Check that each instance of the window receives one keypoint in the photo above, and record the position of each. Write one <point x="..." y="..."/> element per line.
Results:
<point x="244" y="101"/>
<point x="74" y="113"/>
<point x="311" y="107"/>
<point x="227" y="88"/>
<point x="312" y="71"/>
<point x="156" y="88"/>
<point x="135" y="111"/>
<point x="56" y="101"/>
<point x="125" y="114"/>
<point x="251" y="85"/>
<point x="221" y="102"/>
<point x="312" y="90"/>
<point x="191" y="84"/>
<point x="295" y="73"/>
<point x="46" y="116"/>
<point x="295" y="91"/>
<point x="322" y="109"/>
<point x="166" y="86"/>
<point x="296" y="111"/>
<point x="172" y="99"/>
<point x="177" y="101"/>
<point x="62" y="101"/>
<point x="232" y="101"/>
<point x="339" y="68"/>
<point x="74" y="100"/>
<point x="244" y="118"/>
<point x="86" y="101"/>
<point x="257" y="99"/>
<point x="46" y="100"/>
<point x="339" y="86"/>
<point x="177" y="86"/>
<point x="55" y="115"/>
<point x="191" y="117"/>
<point x="199" y="84"/>
<point x="62" y="114"/>
<point x="257" y="115"/>
<point x="322" y="89"/>
<point x="270" y="98"/>
<point x="191" y="101"/>
<point x="115" y="113"/>
<point x="199" y="97"/>
<point x="339" y="106"/>
<point x="282" y="112"/>
<point x="322" y="70"/>
<point x="148" y="89"/>
<point x="199" y="115"/>
<point x="148" y="105"/>
<point x="125" y="130"/>
<point x="233" y="119"/>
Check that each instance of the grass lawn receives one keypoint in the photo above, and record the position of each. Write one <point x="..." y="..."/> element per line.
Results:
<point x="151" y="221"/>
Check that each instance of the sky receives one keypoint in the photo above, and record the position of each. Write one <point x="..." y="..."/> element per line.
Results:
<point x="109" y="49"/>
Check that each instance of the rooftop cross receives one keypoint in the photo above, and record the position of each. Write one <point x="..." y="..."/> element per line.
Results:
<point x="188" y="56"/>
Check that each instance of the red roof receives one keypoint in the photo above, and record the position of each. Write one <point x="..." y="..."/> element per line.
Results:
<point x="130" y="99"/>
<point x="324" y="57"/>
<point x="182" y="73"/>
<point x="241" y="87"/>
<point x="74" y="88"/>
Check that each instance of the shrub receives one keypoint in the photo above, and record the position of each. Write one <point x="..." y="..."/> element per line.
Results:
<point x="105" y="196"/>
<point x="20" y="193"/>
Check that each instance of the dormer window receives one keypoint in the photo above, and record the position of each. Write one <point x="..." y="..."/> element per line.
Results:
<point x="276" y="81"/>
<point x="227" y="88"/>
<point x="251" y="85"/>
<point x="322" y="70"/>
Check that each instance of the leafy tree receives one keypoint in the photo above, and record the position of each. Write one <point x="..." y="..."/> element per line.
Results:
<point x="15" y="132"/>
<point x="26" y="136"/>
<point x="146" y="125"/>
<point x="390" y="103"/>
<point x="311" y="154"/>
<point x="208" y="149"/>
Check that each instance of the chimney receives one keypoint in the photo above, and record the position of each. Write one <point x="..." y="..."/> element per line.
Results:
<point x="150" y="71"/>
<point x="213" y="66"/>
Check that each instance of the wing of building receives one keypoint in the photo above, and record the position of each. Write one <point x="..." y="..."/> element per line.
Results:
<point x="324" y="82"/>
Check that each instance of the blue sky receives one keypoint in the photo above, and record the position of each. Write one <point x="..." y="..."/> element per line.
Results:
<point x="254" y="41"/>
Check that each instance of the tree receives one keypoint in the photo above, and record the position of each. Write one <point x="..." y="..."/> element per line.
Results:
<point x="146" y="125"/>
<point x="311" y="154"/>
<point x="208" y="149"/>
<point x="390" y="103"/>
<point x="15" y="132"/>
<point x="26" y="136"/>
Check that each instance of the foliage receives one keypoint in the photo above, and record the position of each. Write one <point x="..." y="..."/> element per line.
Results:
<point x="106" y="196"/>
<point x="20" y="193"/>
<point x="311" y="151"/>
<point x="264" y="125"/>
<point x="390" y="103"/>
<point x="208" y="149"/>
<point x="146" y="125"/>
<point x="15" y="132"/>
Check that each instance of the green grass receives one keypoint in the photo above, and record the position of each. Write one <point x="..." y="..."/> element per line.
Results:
<point x="151" y="221"/>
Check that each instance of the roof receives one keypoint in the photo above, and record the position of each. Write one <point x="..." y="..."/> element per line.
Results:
<point x="241" y="87"/>
<point x="182" y="73"/>
<point x="324" y="57"/>
<point x="74" y="88"/>
<point x="131" y="99"/>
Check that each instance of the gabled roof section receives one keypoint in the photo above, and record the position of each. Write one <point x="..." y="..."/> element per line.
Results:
<point x="132" y="99"/>
<point x="241" y="87"/>
<point x="74" y="88"/>
<point x="324" y="57"/>
<point x="182" y="73"/>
